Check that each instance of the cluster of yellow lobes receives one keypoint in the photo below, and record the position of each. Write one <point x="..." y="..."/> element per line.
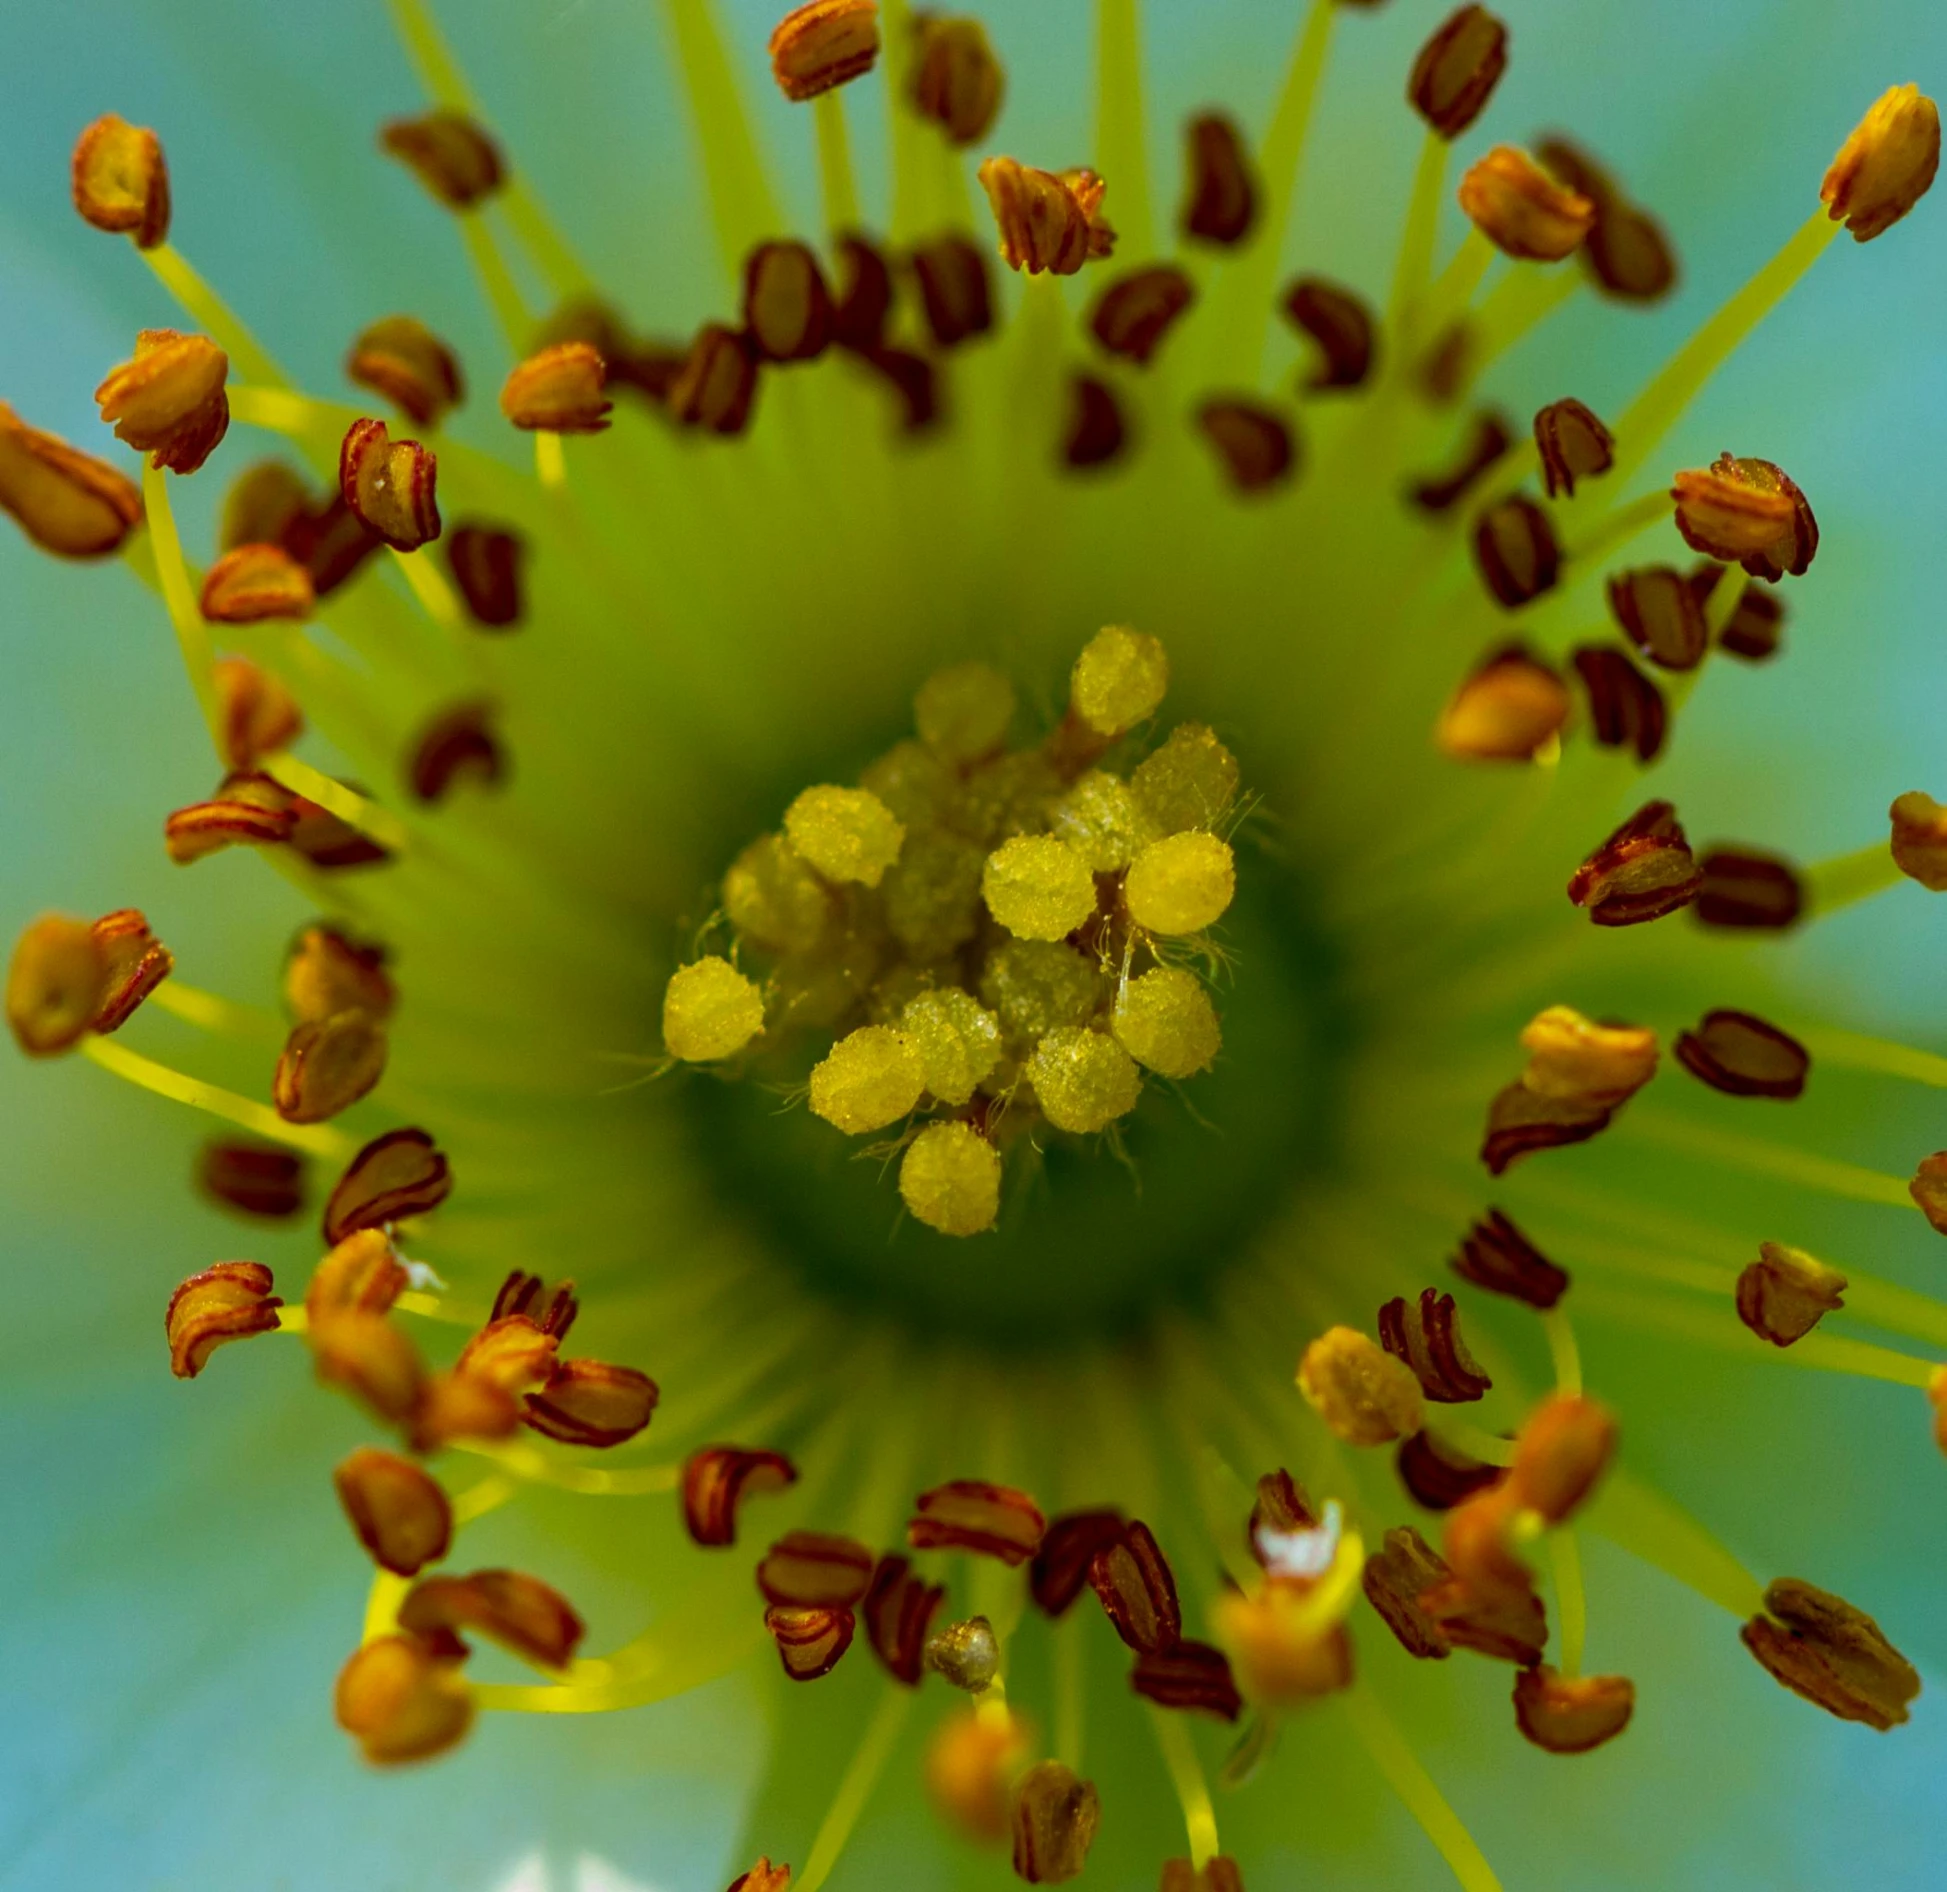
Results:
<point x="993" y="942"/>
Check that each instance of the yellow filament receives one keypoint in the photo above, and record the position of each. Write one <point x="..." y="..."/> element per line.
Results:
<point x="529" y="1463"/>
<point x="1562" y="1348"/>
<point x="1475" y="1442"/>
<point x="293" y="1320"/>
<point x="212" y="315"/>
<point x="550" y="461"/>
<point x="906" y="132"/>
<point x="1449" y="297"/>
<point x="1761" y="1158"/>
<point x="497" y="283"/>
<point x="1616" y="528"/>
<point x="1725" y="597"/>
<point x="1071" y="1694"/>
<point x="1414" y="270"/>
<point x="317" y="1139"/>
<point x="1119" y="152"/>
<point x="1849" y="878"/>
<point x="432" y="1307"/>
<point x="741" y="203"/>
<point x="1856" y="1053"/>
<point x="1403" y="1773"/>
<point x="1192" y="1790"/>
<point x="855" y="1789"/>
<point x="1571" y="1600"/>
<point x="1518" y="305"/>
<point x="335" y="798"/>
<point x="1645" y="1523"/>
<point x="382" y="1603"/>
<point x="477" y="1500"/>
<point x="835" y="175"/>
<point x="179" y="595"/>
<point x="428" y="584"/>
<point x="207" y="1012"/>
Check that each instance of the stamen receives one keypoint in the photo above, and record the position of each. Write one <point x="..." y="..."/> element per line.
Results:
<point x="246" y="1113"/>
<point x="1517" y="551"/>
<point x="254" y="1181"/>
<point x="1834" y="1655"/>
<point x="400" y="1174"/>
<point x="1522" y="211"/>
<point x="1643" y="871"/>
<point x="1119" y="128"/>
<point x="1426" y="1338"/>
<point x="1341" y="324"/>
<point x="560" y="390"/>
<point x="1056" y="1816"/>
<point x="522" y="1614"/>
<point x="1785" y="1293"/>
<point x="1564" y="1714"/>
<point x="399" y="1512"/>
<point x="1401" y="1768"/>
<point x="1748" y="889"/>
<point x="1362" y="1393"/>
<point x="1192" y="1790"/>
<point x="1662" y="615"/>
<point x="1743" y="1056"/>
<point x="855" y="1789"/>
<point x="230" y="1301"/>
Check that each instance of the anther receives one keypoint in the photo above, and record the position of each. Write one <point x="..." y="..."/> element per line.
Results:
<point x="970" y="1760"/>
<point x="525" y="1616"/>
<point x="717" y="387"/>
<point x="1743" y="1056"/>
<point x="399" y="1174"/>
<point x="512" y="1352"/>
<point x="718" y="1479"/>
<point x="459" y="745"/>
<point x="523" y="1293"/>
<point x="168" y="400"/>
<point x="1426" y="1337"/>
<point x="763" y="1877"/>
<point x="1361" y="1392"/>
<point x="1572" y="1714"/>
<point x="1495" y="1255"/>
<point x="327" y="1065"/>
<point x="1746" y="889"/>
<point x="1747" y="512"/>
<point x="1573" y="444"/>
<point x="1220" y="194"/>
<point x="1083" y="1080"/>
<point x="1192" y="1677"/>
<point x="1281" y="1506"/>
<point x="255" y="1179"/>
<point x="1448" y="364"/>
<point x="486" y="565"/>
<point x="1056" y="1815"/>
<point x="250" y="585"/>
<point x="1929" y="1190"/>
<point x="136" y="962"/>
<point x="390" y="485"/>
<point x="956" y="80"/>
<point x="360" y="1275"/>
<point x="1133" y="315"/>
<point x="560" y="390"/>
<point x="1628" y="251"/>
<point x="1253" y="444"/>
<point x="120" y="180"/>
<point x="592" y="1403"/>
<point x="1626" y="710"/>
<point x="1564" y="1449"/>
<point x="1886" y="166"/>
<point x="368" y="1357"/>
<point x="261" y="505"/>
<point x="1165" y="1021"/>
<point x="68" y="502"/>
<point x="1572" y="1057"/>
<point x="814" y="1570"/>
<point x="1521" y="210"/>
<point x="823" y="44"/>
<point x="1643" y="871"/>
<point x="1511" y="709"/>
<point x="1522" y="1122"/>
<point x="327" y="972"/>
<point x="914" y="380"/>
<point x="809" y="1641"/>
<point x="848" y="834"/>
<point x="966" y="1654"/>
<point x="1440" y="1476"/>
<point x="1219" y="1874"/>
<point x="950" y="1179"/>
<point x="331" y="542"/>
<point x="327" y="840"/>
<point x="1283" y="1655"/>
<point x="1834" y="1655"/>
<point x="449" y="153"/>
<point x="787" y="306"/>
<point x="1038" y="887"/>
<point x="402" y="361"/>
<point x="1479" y="1545"/>
<point x="1517" y="552"/>
<point x="1402" y="1571"/>
<point x="1785" y="1293"/>
<point x="402" y="1700"/>
<point x="1919" y="841"/>
<point x="1096" y="432"/>
<point x="247" y="810"/>
<point x="1181" y="884"/>
<point x="1488" y="440"/>
<point x="1103" y="822"/>
<point x="863" y="304"/>
<point x="1068" y="1548"/>
<point x="230" y="1301"/>
<point x="399" y="1512"/>
<point x="1506" y="1624"/>
<point x="1342" y="325"/>
<point x="898" y="1610"/>
<point x="1457" y="70"/>
<point x="982" y="1519"/>
<point x="954" y="290"/>
<point x="871" y="1078"/>
<point x="710" y="1011"/>
<point x="1047" y="220"/>
<point x="56" y="982"/>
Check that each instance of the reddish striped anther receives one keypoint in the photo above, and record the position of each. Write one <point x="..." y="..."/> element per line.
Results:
<point x="1426" y="1336"/>
<point x="136" y="963"/>
<point x="1068" y="1547"/>
<point x="256" y="714"/>
<point x="449" y="153"/>
<point x="1253" y="445"/>
<point x="1743" y="1056"/>
<point x="717" y="385"/>
<point x="327" y="1065"/>
<point x="457" y="746"/>
<point x="168" y="399"/>
<point x="399" y="1512"/>
<point x="898" y="1609"/>
<point x="1574" y="445"/>
<point x="1342" y="325"/>
<point x="246" y="811"/>
<point x="1643" y="871"/>
<point x="788" y="312"/>
<point x="1523" y="211"/>
<point x="521" y="1613"/>
<point x="402" y="1700"/>
<point x="253" y="1178"/>
<point x="955" y="294"/>
<point x="1440" y="1476"/>
<point x="1133" y="315"/>
<point x="1521" y="1122"/>
<point x="1748" y="890"/>
<point x="255" y="584"/>
<point x="1562" y="1453"/>
<point x="1137" y="1589"/>
<point x="1395" y="1578"/>
<point x="512" y="1352"/>
<point x="1662" y="614"/>
<point x="1047" y="220"/>
<point x="361" y="1275"/>
<point x="1281" y="1506"/>
<point x="1495" y="1255"/>
<point x="523" y="1293"/>
<point x="1457" y="70"/>
<point x="486" y="565"/>
<point x="1517" y="552"/>
<point x="399" y="1174"/>
<point x="327" y="972"/>
<point x="956" y="80"/>
<point x="1220" y="194"/>
<point x="809" y="1641"/>
<point x="822" y="44"/>
<point x="391" y="485"/>
<point x="1572" y="1714"/>
<point x="815" y="1570"/>
<point x="402" y="361"/>
<point x="1626" y="710"/>
<point x="972" y="1515"/>
<point x="1749" y="513"/>
<point x="1192" y="1675"/>
<point x="56" y="983"/>
<point x="559" y="390"/>
<point x="120" y="180"/>
<point x="717" y="1480"/>
<point x="66" y="501"/>
<point x="231" y="1301"/>
<point x="763" y="1877"/>
<point x="590" y="1402"/>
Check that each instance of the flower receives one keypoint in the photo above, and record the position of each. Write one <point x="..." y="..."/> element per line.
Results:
<point x="881" y="908"/>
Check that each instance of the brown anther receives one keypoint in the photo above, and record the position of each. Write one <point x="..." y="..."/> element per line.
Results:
<point x="525" y="1616"/>
<point x="1361" y="1392"/>
<point x="1341" y="323"/>
<point x="1517" y="552"/>
<point x="256" y="713"/>
<point x="1521" y="210"/>
<point x="814" y="1570"/>
<point x="120" y="180"/>
<point x="1887" y="165"/>
<point x="231" y="1301"/>
<point x="969" y="1761"/>
<point x="1748" y="889"/>
<point x="1256" y="448"/>
<point x="399" y="1512"/>
<point x="1426" y="1337"/>
<point x="390" y="485"/>
<point x="1478" y="1544"/>
<point x="1929" y="1189"/>
<point x="402" y="361"/>
<point x="1192" y="1676"/>
<point x="1447" y="365"/>
<point x="956" y="80"/>
<point x="1507" y="1625"/>
<point x="1439" y="1476"/>
<point x="1281" y="1505"/>
<point x="1628" y="252"/>
<point x="261" y="505"/>
<point x="1096" y="433"/>
<point x="763" y="1877"/>
<point x="1048" y="220"/>
<point x="457" y="746"/>
<point x="167" y="400"/>
<point x="369" y="1358"/>
<point x="718" y="384"/>
<point x="1521" y="1122"/>
<point x="954" y="291"/>
<point x="1834" y="1655"/>
<point x="1572" y="1056"/>
<point x="327" y="1065"/>
<point x="716" y="1481"/>
<point x="486" y="565"/>
<point x="1509" y="710"/>
<point x="523" y="1293"/>
<point x="331" y="542"/>
<point x="1132" y="316"/>
<point x="1919" y="842"/>
<point x="1488" y="440"/>
<point x="1220" y="1874"/>
<point x="247" y="810"/>
<point x="1574" y="445"/>
<point x="898" y="1610"/>
<point x="809" y="1641"/>
<point x="451" y="1407"/>
<point x="1626" y="710"/>
<point x="560" y="390"/>
<point x="1563" y="1451"/>
<point x="986" y="1520"/>
<point x="1068" y="1547"/>
<point x="1572" y="1714"/>
<point x="1495" y="1255"/>
<point x="1056" y="1814"/>
<point x="327" y="973"/>
<point x="68" y="502"/>
<point x="327" y="840"/>
<point x="1749" y="513"/>
<point x="1743" y="1056"/>
<point x="1396" y="1577"/>
<point x="402" y="1700"/>
<point x="787" y="307"/>
<point x="360" y="1275"/>
<point x="966" y="1655"/>
<point x="1220" y="194"/>
<point x="590" y="1402"/>
<point x="914" y="380"/>
<point x="135" y="963"/>
<point x="1457" y="70"/>
<point x="255" y="1179"/>
<point x="1137" y="1589"/>
<point x="399" y="1174"/>
<point x="449" y="153"/>
<point x="822" y="44"/>
<point x="1785" y="1293"/>
<point x="863" y="304"/>
<point x="1641" y="872"/>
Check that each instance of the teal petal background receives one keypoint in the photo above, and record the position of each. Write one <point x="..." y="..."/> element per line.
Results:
<point x="173" y="1614"/>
